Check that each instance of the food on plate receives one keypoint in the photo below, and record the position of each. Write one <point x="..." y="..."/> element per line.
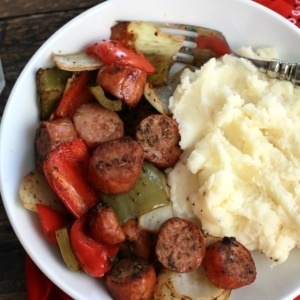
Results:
<point x="138" y="241"/>
<point x="75" y="95"/>
<point x="116" y="52"/>
<point x="115" y="165"/>
<point x="62" y="237"/>
<point x="131" y="279"/>
<point x="240" y="136"/>
<point x="65" y="169"/>
<point x="94" y="257"/>
<point x="51" y="220"/>
<point x="108" y="155"/>
<point x="123" y="82"/>
<point x="158" y="135"/>
<point x="104" y="226"/>
<point x="187" y="286"/>
<point x="149" y="192"/>
<point x="51" y="83"/>
<point x="147" y="38"/>
<point x="152" y="220"/>
<point x="228" y="264"/>
<point x="96" y="124"/>
<point x="99" y="94"/>
<point x="49" y="135"/>
<point x="35" y="189"/>
<point x="180" y="245"/>
<point x="76" y="62"/>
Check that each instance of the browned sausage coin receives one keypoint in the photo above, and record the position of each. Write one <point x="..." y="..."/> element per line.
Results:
<point x="49" y="135"/>
<point x="180" y="245"/>
<point x="123" y="82"/>
<point x="159" y="137"/>
<point x="115" y="165"/>
<point x="138" y="241"/>
<point x="104" y="226"/>
<point x="96" y="124"/>
<point x="228" y="264"/>
<point x="131" y="279"/>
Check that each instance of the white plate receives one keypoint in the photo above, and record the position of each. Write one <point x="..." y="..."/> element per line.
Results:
<point x="243" y="23"/>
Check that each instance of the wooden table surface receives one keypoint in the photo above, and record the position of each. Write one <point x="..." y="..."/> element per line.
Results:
<point x="24" y="26"/>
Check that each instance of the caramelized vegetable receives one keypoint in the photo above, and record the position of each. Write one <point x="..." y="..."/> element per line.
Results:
<point x="95" y="258"/>
<point x="152" y="220"/>
<point x="148" y="193"/>
<point x="35" y="189"/>
<point x="162" y="65"/>
<point x="121" y="54"/>
<point x="62" y="237"/>
<point x="51" y="221"/>
<point x="76" y="95"/>
<point x="97" y="91"/>
<point x="51" y="84"/>
<point x="187" y="286"/>
<point x="65" y="171"/>
<point x="147" y="38"/>
<point x="77" y="62"/>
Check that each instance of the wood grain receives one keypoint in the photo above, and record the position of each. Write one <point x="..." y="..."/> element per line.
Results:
<point x="17" y="8"/>
<point x="24" y="27"/>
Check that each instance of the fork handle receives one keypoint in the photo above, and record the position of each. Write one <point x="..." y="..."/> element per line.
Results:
<point x="279" y="69"/>
<point x="284" y="71"/>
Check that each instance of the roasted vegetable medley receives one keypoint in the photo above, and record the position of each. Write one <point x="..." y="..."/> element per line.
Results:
<point x="103" y="146"/>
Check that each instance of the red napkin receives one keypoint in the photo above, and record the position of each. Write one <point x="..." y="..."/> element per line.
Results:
<point x="39" y="287"/>
<point x="290" y="9"/>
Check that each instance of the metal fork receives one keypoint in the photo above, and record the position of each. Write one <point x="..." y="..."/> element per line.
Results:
<point x="203" y="43"/>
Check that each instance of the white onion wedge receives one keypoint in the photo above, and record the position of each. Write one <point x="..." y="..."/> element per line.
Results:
<point x="152" y="220"/>
<point x="187" y="286"/>
<point x="77" y="62"/>
<point x="34" y="189"/>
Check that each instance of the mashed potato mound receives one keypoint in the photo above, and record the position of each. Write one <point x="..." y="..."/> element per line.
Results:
<point x="240" y="132"/>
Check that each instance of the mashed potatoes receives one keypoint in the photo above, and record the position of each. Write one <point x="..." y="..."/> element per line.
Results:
<point x="240" y="171"/>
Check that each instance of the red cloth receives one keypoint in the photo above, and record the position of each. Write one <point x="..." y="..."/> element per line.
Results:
<point x="39" y="287"/>
<point x="290" y="9"/>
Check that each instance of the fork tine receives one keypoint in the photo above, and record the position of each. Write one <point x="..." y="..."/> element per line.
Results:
<point x="195" y="55"/>
<point x="191" y="52"/>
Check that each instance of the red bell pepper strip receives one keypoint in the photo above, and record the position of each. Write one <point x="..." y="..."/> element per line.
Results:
<point x="51" y="220"/>
<point x="94" y="258"/>
<point x="214" y="43"/>
<point x="65" y="169"/>
<point x="119" y="53"/>
<point x="76" y="95"/>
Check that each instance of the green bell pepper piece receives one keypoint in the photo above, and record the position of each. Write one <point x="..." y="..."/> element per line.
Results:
<point x="51" y="83"/>
<point x="149" y="192"/>
<point x="97" y="91"/>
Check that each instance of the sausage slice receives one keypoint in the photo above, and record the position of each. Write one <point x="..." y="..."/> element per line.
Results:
<point x="104" y="225"/>
<point x="115" y="165"/>
<point x="123" y="82"/>
<point x="49" y="135"/>
<point x="138" y="241"/>
<point x="180" y="245"/>
<point x="159" y="137"/>
<point x="228" y="264"/>
<point x="96" y="124"/>
<point x="131" y="279"/>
